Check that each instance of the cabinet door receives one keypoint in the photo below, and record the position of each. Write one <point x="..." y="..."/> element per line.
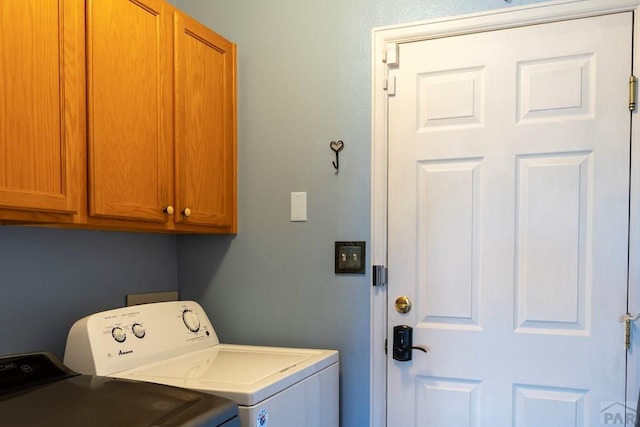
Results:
<point x="42" y="113"/>
<point x="205" y="152"/>
<point x="129" y="69"/>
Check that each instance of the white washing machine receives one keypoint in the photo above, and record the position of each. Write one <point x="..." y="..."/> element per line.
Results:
<point x="174" y="343"/>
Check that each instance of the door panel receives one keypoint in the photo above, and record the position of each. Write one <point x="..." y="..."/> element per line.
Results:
<point x="508" y="223"/>
<point x="553" y="215"/>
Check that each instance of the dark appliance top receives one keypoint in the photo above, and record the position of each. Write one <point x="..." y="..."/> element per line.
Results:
<point x="36" y="389"/>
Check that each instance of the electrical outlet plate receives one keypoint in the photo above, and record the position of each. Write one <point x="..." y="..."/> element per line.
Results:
<point x="350" y="257"/>
<point x="137" y="299"/>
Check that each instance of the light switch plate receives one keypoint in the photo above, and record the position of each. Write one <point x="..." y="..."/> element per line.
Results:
<point x="298" y="207"/>
<point x="350" y="257"/>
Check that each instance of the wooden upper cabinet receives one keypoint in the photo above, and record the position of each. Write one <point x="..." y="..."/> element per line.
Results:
<point x="116" y="114"/>
<point x="42" y="110"/>
<point x="161" y="117"/>
<point x="205" y="132"/>
<point x="130" y="109"/>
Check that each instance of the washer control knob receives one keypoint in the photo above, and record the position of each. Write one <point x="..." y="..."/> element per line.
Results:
<point x="138" y="330"/>
<point x="191" y="320"/>
<point x="119" y="334"/>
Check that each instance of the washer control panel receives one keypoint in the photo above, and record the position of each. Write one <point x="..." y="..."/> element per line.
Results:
<point x="125" y="338"/>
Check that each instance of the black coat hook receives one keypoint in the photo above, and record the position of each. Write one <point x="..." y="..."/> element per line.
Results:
<point x="337" y="147"/>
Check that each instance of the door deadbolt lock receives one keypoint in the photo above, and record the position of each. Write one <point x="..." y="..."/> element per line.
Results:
<point x="403" y="304"/>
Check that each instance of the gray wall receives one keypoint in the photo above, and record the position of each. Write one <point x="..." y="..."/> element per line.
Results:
<point x="49" y="278"/>
<point x="304" y="80"/>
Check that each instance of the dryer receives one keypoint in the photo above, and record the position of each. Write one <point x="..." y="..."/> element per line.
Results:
<point x="174" y="343"/>
<point x="37" y="390"/>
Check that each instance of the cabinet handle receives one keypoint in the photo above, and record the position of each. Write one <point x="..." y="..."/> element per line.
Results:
<point x="168" y="210"/>
<point x="186" y="212"/>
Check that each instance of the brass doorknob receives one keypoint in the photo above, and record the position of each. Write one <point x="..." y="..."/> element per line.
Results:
<point x="403" y="304"/>
<point x="186" y="212"/>
<point x="168" y="210"/>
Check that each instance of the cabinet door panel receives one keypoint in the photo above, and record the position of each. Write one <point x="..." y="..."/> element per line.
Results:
<point x="130" y="108"/>
<point x="205" y="152"/>
<point x="42" y="105"/>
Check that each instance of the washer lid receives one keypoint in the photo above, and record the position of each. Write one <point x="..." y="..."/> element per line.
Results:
<point x="246" y="374"/>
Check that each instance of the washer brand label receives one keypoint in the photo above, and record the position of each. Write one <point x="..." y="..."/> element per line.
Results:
<point x="123" y="353"/>
<point x="263" y="418"/>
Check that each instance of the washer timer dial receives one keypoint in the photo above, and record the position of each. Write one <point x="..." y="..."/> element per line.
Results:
<point x="138" y="330"/>
<point x="119" y="334"/>
<point x="191" y="320"/>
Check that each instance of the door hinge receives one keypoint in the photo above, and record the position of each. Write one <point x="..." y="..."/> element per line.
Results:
<point x="385" y="345"/>
<point x="379" y="275"/>
<point x="627" y="318"/>
<point x="632" y="93"/>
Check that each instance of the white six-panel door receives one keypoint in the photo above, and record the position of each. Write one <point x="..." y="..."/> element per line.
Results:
<point x="508" y="212"/>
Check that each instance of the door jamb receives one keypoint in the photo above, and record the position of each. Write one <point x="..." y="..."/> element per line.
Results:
<point x="384" y="37"/>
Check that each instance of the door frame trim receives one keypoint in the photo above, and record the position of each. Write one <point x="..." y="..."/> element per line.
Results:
<point x="509" y="17"/>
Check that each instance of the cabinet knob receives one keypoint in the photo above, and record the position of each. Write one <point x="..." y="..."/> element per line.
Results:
<point x="168" y="210"/>
<point x="186" y="212"/>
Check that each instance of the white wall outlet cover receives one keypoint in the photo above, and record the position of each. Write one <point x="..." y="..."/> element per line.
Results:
<point x="298" y="206"/>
